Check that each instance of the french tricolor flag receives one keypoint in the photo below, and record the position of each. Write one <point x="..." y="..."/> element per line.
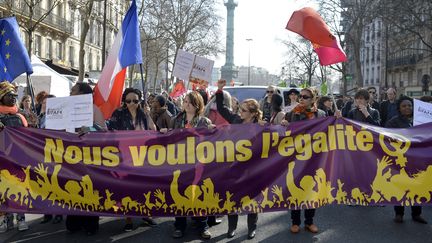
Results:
<point x="125" y="51"/>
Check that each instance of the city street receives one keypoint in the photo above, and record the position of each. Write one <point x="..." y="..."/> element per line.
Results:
<point x="336" y="224"/>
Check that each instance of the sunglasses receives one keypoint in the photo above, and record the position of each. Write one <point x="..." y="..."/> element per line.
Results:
<point x="305" y="97"/>
<point x="371" y="92"/>
<point x="130" y="101"/>
<point x="270" y="91"/>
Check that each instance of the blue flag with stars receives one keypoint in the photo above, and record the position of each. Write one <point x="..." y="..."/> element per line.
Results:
<point x="14" y="59"/>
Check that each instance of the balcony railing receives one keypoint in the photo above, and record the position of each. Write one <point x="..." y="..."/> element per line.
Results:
<point x="53" y="20"/>
<point x="408" y="60"/>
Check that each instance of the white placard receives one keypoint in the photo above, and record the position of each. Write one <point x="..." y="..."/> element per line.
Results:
<point x="202" y="68"/>
<point x="69" y="112"/>
<point x="422" y="112"/>
<point x="183" y="64"/>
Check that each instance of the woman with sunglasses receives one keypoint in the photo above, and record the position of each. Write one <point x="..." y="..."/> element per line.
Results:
<point x="130" y="116"/>
<point x="249" y="113"/>
<point x="305" y="110"/>
<point x="191" y="117"/>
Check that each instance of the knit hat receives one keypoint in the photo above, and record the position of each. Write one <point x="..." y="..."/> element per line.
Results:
<point x="5" y="88"/>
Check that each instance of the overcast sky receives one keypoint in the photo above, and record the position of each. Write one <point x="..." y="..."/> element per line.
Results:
<point x="264" y="22"/>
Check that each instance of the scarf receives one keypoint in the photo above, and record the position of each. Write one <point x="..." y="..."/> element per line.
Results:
<point x="308" y="112"/>
<point x="14" y="111"/>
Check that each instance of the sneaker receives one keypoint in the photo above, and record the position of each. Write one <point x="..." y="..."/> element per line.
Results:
<point x="22" y="225"/>
<point x="150" y="222"/>
<point x="3" y="224"/>
<point x="128" y="227"/>
<point x="206" y="234"/>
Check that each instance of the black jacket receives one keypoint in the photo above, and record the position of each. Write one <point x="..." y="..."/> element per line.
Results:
<point x="399" y="122"/>
<point x="373" y="118"/>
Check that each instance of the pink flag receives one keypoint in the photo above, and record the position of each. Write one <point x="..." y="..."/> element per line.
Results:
<point x="309" y="24"/>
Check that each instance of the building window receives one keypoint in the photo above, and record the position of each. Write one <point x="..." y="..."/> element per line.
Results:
<point x="38" y="45"/>
<point x="59" y="50"/>
<point x="49" y="49"/>
<point x="72" y="55"/>
<point x="90" y="61"/>
<point x="98" y="61"/>
<point x="419" y="76"/>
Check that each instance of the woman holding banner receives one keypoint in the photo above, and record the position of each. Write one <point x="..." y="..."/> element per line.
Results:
<point x="404" y="107"/>
<point x="130" y="116"/>
<point x="305" y="110"/>
<point x="10" y="117"/>
<point x="249" y="113"/>
<point x="191" y="117"/>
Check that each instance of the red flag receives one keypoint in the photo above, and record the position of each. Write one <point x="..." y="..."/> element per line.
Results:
<point x="179" y="89"/>
<point x="309" y="24"/>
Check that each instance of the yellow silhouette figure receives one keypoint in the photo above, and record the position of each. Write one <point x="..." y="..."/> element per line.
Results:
<point x="341" y="195"/>
<point x="324" y="188"/>
<point x="160" y="200"/>
<point x="190" y="203"/>
<point x="278" y="196"/>
<point x="265" y="202"/>
<point x="383" y="188"/>
<point x="148" y="202"/>
<point x="229" y="206"/>
<point x="13" y="188"/>
<point x="42" y="186"/>
<point x="210" y="198"/>
<point x="358" y="197"/>
<point x="303" y="196"/>
<point x="109" y="203"/>
<point x="421" y="186"/>
<point x="128" y="204"/>
<point x="91" y="197"/>
<point x="249" y="204"/>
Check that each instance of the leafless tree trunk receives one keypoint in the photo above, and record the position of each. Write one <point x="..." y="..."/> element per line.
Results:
<point x="85" y="9"/>
<point x="31" y="14"/>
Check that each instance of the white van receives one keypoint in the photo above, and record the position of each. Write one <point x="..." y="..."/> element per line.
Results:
<point x="257" y="92"/>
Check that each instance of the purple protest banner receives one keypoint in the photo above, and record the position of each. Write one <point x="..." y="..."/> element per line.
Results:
<point x="231" y="169"/>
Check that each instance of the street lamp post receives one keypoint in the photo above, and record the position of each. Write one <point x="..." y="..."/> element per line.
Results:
<point x="249" y="66"/>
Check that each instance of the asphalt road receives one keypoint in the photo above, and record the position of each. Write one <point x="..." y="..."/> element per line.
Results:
<point x="336" y="224"/>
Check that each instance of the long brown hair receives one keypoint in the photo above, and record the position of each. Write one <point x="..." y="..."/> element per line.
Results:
<point x="254" y="108"/>
<point x="197" y="101"/>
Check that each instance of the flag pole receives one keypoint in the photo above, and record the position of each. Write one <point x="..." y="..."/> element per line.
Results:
<point x="31" y="92"/>
<point x="144" y="87"/>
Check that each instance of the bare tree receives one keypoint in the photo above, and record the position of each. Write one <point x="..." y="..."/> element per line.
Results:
<point x="409" y="24"/>
<point x="333" y="21"/>
<point x="30" y="15"/>
<point x="85" y="9"/>
<point x="355" y="16"/>
<point x="191" y="25"/>
<point x="302" y="52"/>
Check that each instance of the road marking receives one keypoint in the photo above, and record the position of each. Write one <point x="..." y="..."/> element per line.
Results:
<point x="139" y="230"/>
<point x="39" y="236"/>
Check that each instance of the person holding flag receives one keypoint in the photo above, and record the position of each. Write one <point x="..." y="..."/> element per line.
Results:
<point x="125" y="51"/>
<point x="14" y="61"/>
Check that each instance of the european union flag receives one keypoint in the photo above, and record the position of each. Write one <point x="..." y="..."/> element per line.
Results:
<point x="14" y="59"/>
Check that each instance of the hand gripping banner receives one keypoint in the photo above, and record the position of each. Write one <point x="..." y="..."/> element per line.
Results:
<point x="232" y="169"/>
